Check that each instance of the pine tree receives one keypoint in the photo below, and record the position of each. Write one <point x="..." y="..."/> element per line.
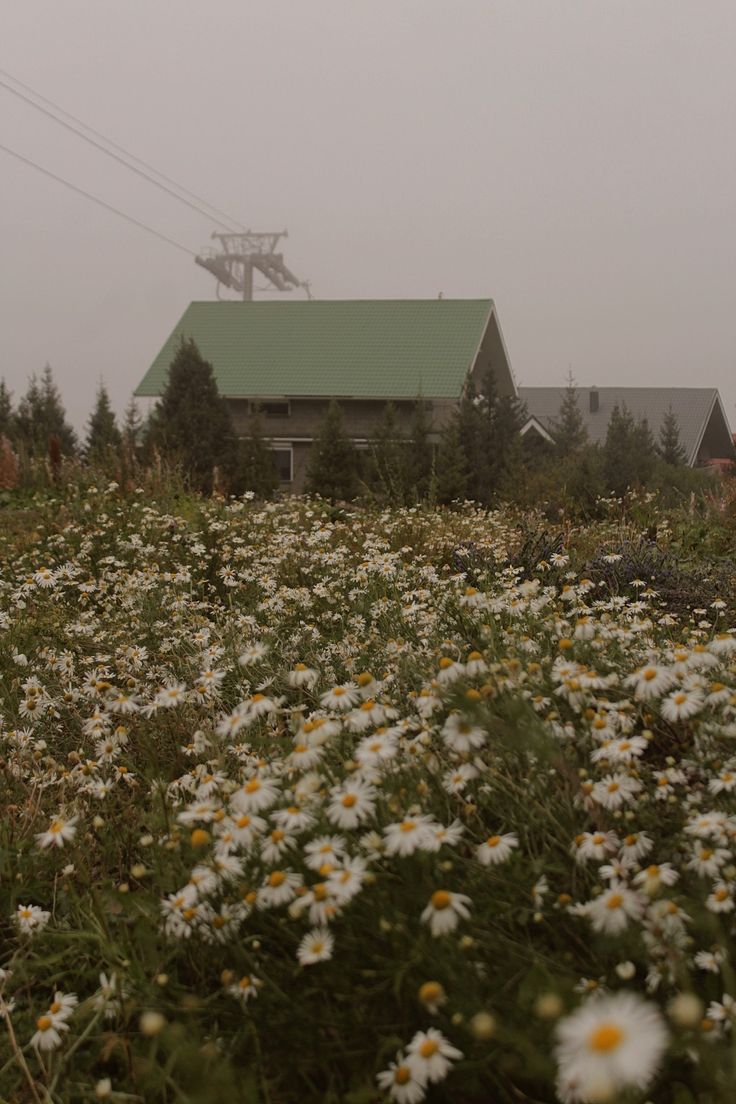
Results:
<point x="191" y="422"/>
<point x="670" y="447"/>
<point x="103" y="436"/>
<point x="332" y="469"/>
<point x="41" y="417"/>
<point x="569" y="429"/>
<point x="254" y="469"/>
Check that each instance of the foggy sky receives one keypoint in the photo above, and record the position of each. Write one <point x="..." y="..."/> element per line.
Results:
<point x="572" y="159"/>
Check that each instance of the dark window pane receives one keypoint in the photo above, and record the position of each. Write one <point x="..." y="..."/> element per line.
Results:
<point x="282" y="461"/>
<point x="271" y="408"/>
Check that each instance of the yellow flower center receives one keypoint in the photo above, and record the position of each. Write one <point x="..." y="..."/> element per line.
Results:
<point x="408" y="825"/>
<point x="493" y="841"/>
<point x="349" y="800"/>
<point x="441" y="899"/>
<point x="276" y="878"/>
<point x="43" y="1023"/>
<point x="606" y="1038"/>
<point x="430" y="991"/>
<point x="428" y="1048"/>
<point x="614" y="901"/>
<point x="402" y="1075"/>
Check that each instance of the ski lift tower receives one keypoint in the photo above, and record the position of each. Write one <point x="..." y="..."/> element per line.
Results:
<point x="241" y="254"/>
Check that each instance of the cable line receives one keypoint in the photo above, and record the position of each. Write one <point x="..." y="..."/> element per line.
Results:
<point x="96" y="199"/>
<point x="228" y="224"/>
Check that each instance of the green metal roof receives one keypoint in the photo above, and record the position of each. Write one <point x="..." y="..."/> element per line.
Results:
<point x="385" y="348"/>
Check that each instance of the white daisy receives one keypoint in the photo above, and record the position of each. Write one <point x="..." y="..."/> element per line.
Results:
<point x="316" y="946"/>
<point x="58" y="833"/>
<point x="444" y="910"/>
<point x="497" y="849"/>
<point x="430" y="1055"/>
<point x="404" y="1084"/>
<point x="351" y="804"/>
<point x="611" y="1043"/>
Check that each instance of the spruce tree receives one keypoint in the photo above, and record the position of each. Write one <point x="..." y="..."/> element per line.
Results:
<point x="132" y="429"/>
<point x="191" y="423"/>
<point x="488" y="425"/>
<point x="628" y="452"/>
<point x="507" y="451"/>
<point x="474" y="432"/>
<point x="670" y="447"/>
<point x="390" y="456"/>
<point x="452" y="462"/>
<point x="421" y="460"/>
<point x="332" y="469"/>
<point x="254" y="468"/>
<point x="7" y="422"/>
<point x="569" y="429"/>
<point x="41" y="417"/>
<point x="645" y="451"/>
<point x="103" y="436"/>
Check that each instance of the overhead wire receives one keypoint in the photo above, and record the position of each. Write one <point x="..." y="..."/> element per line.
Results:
<point x="123" y="156"/>
<point x="96" y="199"/>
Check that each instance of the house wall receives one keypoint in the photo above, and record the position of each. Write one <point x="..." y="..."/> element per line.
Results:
<point x="302" y="424"/>
<point x="717" y="442"/>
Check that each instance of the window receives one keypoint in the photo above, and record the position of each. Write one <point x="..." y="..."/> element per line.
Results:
<point x="283" y="458"/>
<point x="271" y="408"/>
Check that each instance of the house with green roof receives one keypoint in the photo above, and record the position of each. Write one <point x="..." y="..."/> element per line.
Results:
<point x="288" y="360"/>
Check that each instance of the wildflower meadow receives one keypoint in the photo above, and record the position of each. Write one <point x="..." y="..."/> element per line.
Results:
<point x="305" y="802"/>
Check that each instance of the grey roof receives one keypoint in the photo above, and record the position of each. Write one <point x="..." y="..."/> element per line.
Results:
<point x="696" y="409"/>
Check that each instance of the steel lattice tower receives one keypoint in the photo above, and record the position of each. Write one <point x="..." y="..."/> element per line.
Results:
<point x="241" y="254"/>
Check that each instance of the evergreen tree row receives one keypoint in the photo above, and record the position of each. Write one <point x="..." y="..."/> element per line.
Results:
<point x="480" y="454"/>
